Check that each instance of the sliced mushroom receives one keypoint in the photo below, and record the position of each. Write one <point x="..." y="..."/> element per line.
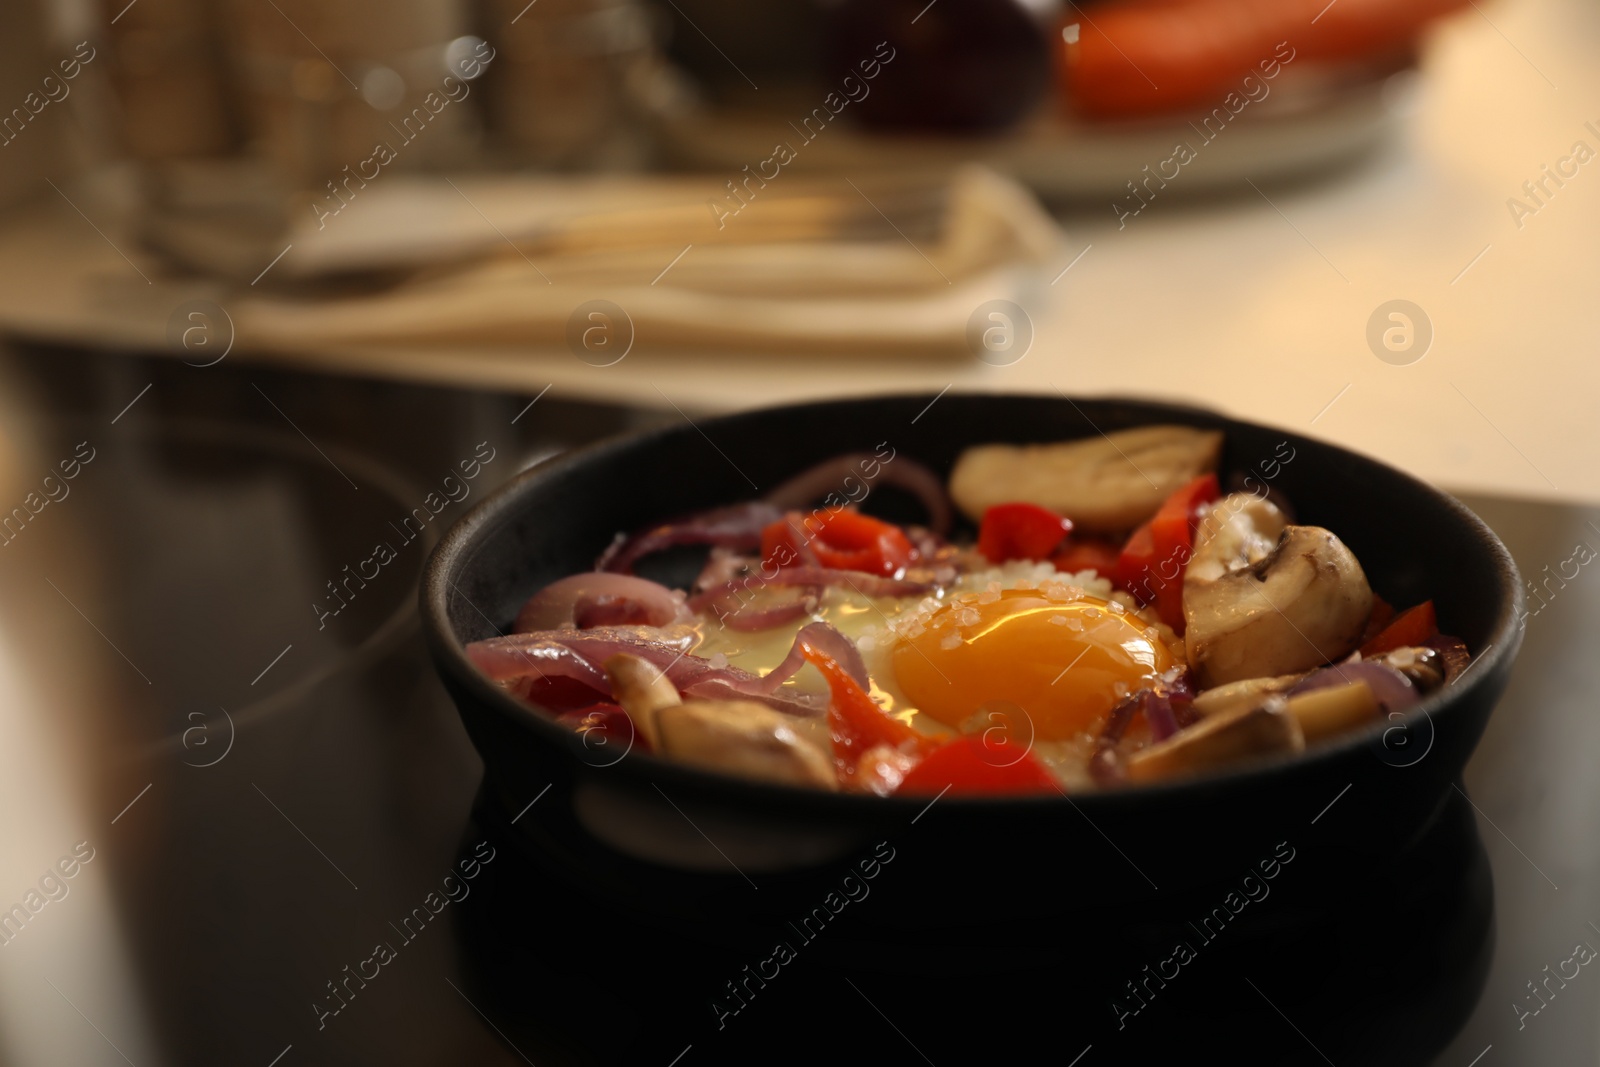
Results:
<point x="745" y="739"/>
<point x="1325" y="712"/>
<point x="1303" y="604"/>
<point x="642" y="690"/>
<point x="1248" y="693"/>
<point x="1424" y="666"/>
<point x="1218" y="741"/>
<point x="1241" y="529"/>
<point x="1107" y="483"/>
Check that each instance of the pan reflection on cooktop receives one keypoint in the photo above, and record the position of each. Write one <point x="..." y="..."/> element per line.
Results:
<point x="1378" y="966"/>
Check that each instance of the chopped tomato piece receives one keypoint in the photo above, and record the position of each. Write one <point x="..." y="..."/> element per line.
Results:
<point x="1154" y="559"/>
<point x="855" y="722"/>
<point x="1020" y="531"/>
<point x="1089" y="555"/>
<point x="978" y="764"/>
<point x="1411" y="627"/>
<point x="841" y="538"/>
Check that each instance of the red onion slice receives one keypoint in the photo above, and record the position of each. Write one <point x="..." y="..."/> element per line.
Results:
<point x="832" y="476"/>
<point x="1159" y="714"/>
<point x="747" y="618"/>
<point x="1393" y="690"/>
<point x="872" y="585"/>
<point x="578" y="654"/>
<point x="723" y="565"/>
<point x="831" y="643"/>
<point x="1168" y="708"/>
<point x="597" y="598"/>
<point x="1105" y="765"/>
<point x="813" y="579"/>
<point x="737" y="526"/>
<point x="506" y="658"/>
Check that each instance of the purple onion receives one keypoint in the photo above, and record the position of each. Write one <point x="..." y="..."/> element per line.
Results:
<point x="812" y="485"/>
<point x="738" y="527"/>
<point x="579" y="655"/>
<point x="1158" y="713"/>
<point x="1167" y="707"/>
<point x="1393" y="690"/>
<point x="599" y="599"/>
<point x="747" y="618"/>
<point x="1105" y="764"/>
<point x="862" y="582"/>
<point x="831" y="643"/>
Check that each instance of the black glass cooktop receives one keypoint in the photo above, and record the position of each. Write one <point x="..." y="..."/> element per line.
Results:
<point x="244" y="824"/>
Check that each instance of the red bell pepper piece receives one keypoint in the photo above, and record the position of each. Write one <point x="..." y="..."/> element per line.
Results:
<point x="1020" y="531"/>
<point x="978" y="764"/>
<point x="1176" y="519"/>
<point x="855" y="722"/>
<point x="842" y="538"/>
<point x="1155" y="557"/>
<point x="1381" y="615"/>
<point x="1087" y="554"/>
<point x="1411" y="627"/>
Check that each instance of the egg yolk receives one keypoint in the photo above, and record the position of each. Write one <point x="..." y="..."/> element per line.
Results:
<point x="1064" y="665"/>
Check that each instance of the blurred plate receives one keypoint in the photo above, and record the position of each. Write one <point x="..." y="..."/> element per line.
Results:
<point x="1312" y="120"/>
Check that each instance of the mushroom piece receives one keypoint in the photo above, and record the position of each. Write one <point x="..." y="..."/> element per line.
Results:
<point x="745" y="739"/>
<point x="1105" y="484"/>
<point x="1423" y="666"/>
<point x="1239" y="530"/>
<point x="1248" y="693"/>
<point x="1229" y="737"/>
<point x="1325" y="712"/>
<point x="1303" y="604"/>
<point x="642" y="690"/>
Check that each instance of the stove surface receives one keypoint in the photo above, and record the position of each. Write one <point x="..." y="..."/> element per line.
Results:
<point x="220" y="719"/>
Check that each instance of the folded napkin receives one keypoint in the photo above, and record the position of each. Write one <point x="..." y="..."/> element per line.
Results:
<point x="797" y="264"/>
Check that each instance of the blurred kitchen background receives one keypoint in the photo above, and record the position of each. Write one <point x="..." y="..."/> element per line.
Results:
<point x="708" y="205"/>
<point x="279" y="264"/>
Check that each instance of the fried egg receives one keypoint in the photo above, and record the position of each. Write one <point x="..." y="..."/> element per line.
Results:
<point x="1052" y="653"/>
<point x="1057" y="656"/>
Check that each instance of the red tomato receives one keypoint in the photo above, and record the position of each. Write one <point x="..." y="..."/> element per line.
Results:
<point x="1020" y="531"/>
